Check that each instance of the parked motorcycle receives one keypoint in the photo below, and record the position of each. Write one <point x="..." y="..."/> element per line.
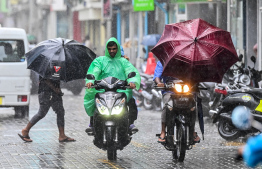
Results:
<point x="248" y="97"/>
<point x="111" y="117"/>
<point x="207" y="96"/>
<point x="181" y="116"/>
<point x="147" y="95"/>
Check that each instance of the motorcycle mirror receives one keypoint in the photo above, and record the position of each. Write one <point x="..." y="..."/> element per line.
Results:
<point x="90" y="77"/>
<point x="240" y="57"/>
<point x="253" y="59"/>
<point x="132" y="74"/>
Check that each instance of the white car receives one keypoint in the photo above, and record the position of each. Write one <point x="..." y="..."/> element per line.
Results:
<point x="14" y="75"/>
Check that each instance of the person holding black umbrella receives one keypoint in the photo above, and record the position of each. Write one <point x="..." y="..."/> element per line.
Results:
<point x="56" y="60"/>
<point x="50" y="95"/>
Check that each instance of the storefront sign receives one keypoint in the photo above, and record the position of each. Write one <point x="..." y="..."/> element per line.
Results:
<point x="3" y="6"/>
<point x="144" y="5"/>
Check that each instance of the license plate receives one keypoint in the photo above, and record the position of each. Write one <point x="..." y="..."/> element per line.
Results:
<point x="1" y="100"/>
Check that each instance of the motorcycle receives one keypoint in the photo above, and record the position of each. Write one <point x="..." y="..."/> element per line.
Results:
<point x="148" y="96"/>
<point x="207" y="96"/>
<point x="248" y="97"/>
<point x="181" y="116"/>
<point x="111" y="117"/>
<point x="143" y="93"/>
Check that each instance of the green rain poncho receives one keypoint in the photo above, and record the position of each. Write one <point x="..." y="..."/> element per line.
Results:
<point x="106" y="66"/>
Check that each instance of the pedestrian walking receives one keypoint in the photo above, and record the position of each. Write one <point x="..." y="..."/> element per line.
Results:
<point x="49" y="95"/>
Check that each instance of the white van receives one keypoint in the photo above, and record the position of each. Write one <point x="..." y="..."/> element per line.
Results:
<point x="14" y="75"/>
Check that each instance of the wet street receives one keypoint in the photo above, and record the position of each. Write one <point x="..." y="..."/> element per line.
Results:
<point x="143" y="152"/>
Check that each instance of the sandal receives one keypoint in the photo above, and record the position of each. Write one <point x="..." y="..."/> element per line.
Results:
<point x="196" y="138"/>
<point x="164" y="140"/>
<point x="67" y="139"/>
<point x="25" y="138"/>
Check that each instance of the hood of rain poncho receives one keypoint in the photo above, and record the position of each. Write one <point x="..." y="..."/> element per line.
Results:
<point x="106" y="66"/>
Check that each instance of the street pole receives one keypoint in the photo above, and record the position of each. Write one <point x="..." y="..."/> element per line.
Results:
<point x="219" y="14"/>
<point x="31" y="15"/>
<point x="108" y="28"/>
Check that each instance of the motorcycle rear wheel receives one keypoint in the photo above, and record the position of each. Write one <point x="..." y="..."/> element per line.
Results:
<point x="181" y="146"/>
<point x="227" y="130"/>
<point x="111" y="150"/>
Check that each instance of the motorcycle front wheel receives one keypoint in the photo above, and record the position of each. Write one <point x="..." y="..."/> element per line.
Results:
<point x="111" y="150"/>
<point x="227" y="130"/>
<point x="181" y="145"/>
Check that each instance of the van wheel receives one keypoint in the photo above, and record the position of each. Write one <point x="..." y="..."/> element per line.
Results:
<point x="21" y="112"/>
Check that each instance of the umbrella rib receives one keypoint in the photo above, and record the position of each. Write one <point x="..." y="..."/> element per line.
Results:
<point x="180" y="50"/>
<point x="225" y="47"/>
<point x="211" y="33"/>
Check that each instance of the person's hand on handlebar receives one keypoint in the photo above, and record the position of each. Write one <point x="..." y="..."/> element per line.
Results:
<point x="160" y="85"/>
<point x="88" y="85"/>
<point x="132" y="85"/>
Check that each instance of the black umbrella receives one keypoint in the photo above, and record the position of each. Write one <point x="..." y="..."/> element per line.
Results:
<point x="60" y="59"/>
<point x="200" y="116"/>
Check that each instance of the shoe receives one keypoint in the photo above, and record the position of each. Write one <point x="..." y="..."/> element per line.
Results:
<point x="89" y="129"/>
<point x="133" y="129"/>
<point x="163" y="140"/>
<point x="25" y="138"/>
<point x="196" y="138"/>
<point x="67" y="139"/>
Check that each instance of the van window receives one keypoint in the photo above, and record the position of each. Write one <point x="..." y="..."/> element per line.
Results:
<point x="12" y="51"/>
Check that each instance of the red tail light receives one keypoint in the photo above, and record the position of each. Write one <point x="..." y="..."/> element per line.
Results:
<point x="224" y="92"/>
<point x="22" y="98"/>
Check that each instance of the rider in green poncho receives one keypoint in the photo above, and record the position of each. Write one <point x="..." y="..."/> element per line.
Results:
<point x="112" y="64"/>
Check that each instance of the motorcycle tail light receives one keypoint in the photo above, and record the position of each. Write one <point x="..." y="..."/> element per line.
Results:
<point x="224" y="92"/>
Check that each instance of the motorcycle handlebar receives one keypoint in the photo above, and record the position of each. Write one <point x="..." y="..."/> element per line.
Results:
<point x="95" y="86"/>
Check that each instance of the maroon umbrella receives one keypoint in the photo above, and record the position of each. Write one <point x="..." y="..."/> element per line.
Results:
<point x="195" y="51"/>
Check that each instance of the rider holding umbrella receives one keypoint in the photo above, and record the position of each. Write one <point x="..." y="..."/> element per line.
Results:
<point x="166" y="98"/>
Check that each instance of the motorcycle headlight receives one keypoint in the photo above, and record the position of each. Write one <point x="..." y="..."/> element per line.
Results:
<point x="185" y="88"/>
<point x="178" y="88"/>
<point x="117" y="109"/>
<point x="182" y="88"/>
<point x="101" y="108"/>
